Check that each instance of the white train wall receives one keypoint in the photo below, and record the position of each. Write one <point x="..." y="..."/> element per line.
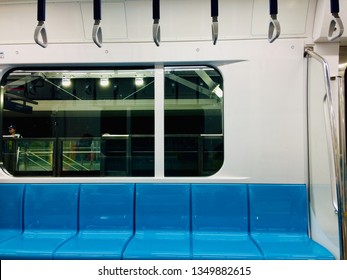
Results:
<point x="256" y="74"/>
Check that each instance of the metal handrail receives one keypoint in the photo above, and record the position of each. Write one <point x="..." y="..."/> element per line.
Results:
<point x="37" y="163"/>
<point x="332" y="118"/>
<point x="74" y="162"/>
<point x="332" y="160"/>
<point x="343" y="194"/>
<point x="335" y="145"/>
<point x="342" y="136"/>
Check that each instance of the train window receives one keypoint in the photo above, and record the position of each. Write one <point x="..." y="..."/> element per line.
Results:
<point x="84" y="122"/>
<point x="193" y="121"/>
<point x="100" y="122"/>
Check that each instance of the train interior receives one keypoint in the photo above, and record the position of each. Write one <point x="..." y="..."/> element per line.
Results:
<point x="131" y="131"/>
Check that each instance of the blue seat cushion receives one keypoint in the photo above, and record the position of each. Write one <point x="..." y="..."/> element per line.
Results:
<point x="106" y="223"/>
<point x="50" y="219"/>
<point x="36" y="246"/>
<point x="168" y="245"/>
<point x="162" y="222"/>
<point x="89" y="245"/>
<point x="291" y="247"/>
<point x="6" y="234"/>
<point x="220" y="222"/>
<point x="279" y="223"/>
<point x="224" y="247"/>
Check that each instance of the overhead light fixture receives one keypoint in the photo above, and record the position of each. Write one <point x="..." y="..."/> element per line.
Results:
<point x="66" y="82"/>
<point x="104" y="82"/>
<point x="139" y="82"/>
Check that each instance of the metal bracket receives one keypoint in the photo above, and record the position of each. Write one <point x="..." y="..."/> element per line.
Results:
<point x="308" y="48"/>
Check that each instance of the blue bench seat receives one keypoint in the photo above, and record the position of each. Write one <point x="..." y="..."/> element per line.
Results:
<point x="220" y="223"/>
<point x="156" y="221"/>
<point x="279" y="223"/>
<point x="105" y="224"/>
<point x="162" y="228"/>
<point x="50" y="213"/>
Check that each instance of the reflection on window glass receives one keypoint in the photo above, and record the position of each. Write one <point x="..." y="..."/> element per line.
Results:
<point x="193" y="121"/>
<point x="92" y="122"/>
<point x="84" y="122"/>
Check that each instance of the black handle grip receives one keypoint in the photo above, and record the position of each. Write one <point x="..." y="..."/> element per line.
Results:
<point x="214" y="8"/>
<point x="97" y="9"/>
<point x="334" y="6"/>
<point x="156" y="9"/>
<point x="273" y="7"/>
<point x="41" y="10"/>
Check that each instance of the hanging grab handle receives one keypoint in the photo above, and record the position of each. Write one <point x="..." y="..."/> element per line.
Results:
<point x="214" y="15"/>
<point x="274" y="26"/>
<point x="40" y="34"/>
<point x="156" y="18"/>
<point x="336" y="26"/>
<point x="97" y="31"/>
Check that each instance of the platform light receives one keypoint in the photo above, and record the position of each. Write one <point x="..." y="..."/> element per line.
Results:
<point x="139" y="82"/>
<point x="104" y="82"/>
<point x="66" y="82"/>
